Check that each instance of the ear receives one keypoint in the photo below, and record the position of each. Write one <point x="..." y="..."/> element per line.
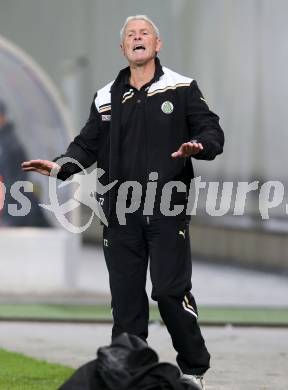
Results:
<point x="122" y="49"/>
<point x="158" y="45"/>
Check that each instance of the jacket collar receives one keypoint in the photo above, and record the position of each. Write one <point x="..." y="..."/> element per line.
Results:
<point x="124" y="74"/>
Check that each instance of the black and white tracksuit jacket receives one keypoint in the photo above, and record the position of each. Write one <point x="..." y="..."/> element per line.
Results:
<point x="186" y="117"/>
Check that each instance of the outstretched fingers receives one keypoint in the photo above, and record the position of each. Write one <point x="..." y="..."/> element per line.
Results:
<point x="27" y="169"/>
<point x="188" y="149"/>
<point x="41" y="166"/>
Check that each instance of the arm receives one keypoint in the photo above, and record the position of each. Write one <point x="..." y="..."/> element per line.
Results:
<point x="204" y="125"/>
<point x="207" y="137"/>
<point x="83" y="149"/>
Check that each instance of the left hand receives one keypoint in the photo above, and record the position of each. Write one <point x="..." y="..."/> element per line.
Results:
<point x="188" y="149"/>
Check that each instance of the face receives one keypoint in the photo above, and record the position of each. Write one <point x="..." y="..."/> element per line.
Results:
<point x="140" y="44"/>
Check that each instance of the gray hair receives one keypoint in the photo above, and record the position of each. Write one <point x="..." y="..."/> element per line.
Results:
<point x="139" y="17"/>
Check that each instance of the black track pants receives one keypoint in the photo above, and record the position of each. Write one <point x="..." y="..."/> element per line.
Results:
<point x="166" y="242"/>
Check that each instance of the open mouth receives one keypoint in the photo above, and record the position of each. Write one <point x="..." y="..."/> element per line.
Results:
<point x="139" y="48"/>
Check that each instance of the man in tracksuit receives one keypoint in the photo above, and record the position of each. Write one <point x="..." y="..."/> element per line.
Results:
<point x="144" y="127"/>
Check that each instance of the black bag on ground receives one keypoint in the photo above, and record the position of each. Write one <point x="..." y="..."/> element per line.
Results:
<point x="127" y="364"/>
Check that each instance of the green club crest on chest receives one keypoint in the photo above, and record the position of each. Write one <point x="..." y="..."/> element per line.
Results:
<point x="167" y="107"/>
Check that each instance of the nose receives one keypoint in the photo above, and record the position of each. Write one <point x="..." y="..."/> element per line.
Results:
<point x="137" y="37"/>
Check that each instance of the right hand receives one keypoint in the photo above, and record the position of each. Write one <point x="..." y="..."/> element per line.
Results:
<point x="188" y="149"/>
<point x="41" y="166"/>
